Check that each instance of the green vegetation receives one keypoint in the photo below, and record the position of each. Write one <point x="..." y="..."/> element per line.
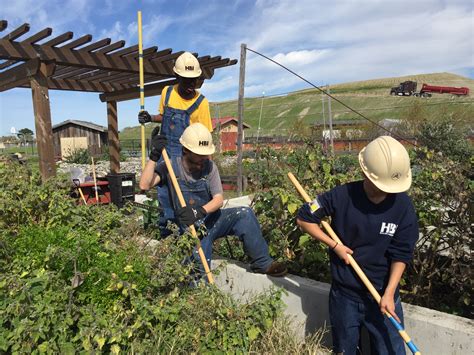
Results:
<point x="84" y="279"/>
<point x="296" y="110"/>
<point x="440" y="276"/>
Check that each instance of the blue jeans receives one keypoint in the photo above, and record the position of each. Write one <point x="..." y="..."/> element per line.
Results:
<point x="348" y="315"/>
<point x="241" y="222"/>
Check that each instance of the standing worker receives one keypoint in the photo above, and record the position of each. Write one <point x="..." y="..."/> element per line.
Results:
<point x="201" y="186"/>
<point x="180" y="104"/>
<point x="377" y="224"/>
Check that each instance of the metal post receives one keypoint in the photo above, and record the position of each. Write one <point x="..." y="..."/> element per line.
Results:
<point x="323" y="97"/>
<point x="243" y="52"/>
<point x="331" y="133"/>
<point x="218" y="126"/>
<point x="142" y="85"/>
<point x="260" y="118"/>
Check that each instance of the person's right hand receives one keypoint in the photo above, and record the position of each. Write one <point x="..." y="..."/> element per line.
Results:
<point x="157" y="144"/>
<point x="144" y="117"/>
<point x="342" y="252"/>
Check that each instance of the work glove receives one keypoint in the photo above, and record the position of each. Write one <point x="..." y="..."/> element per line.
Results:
<point x="157" y="144"/>
<point x="188" y="215"/>
<point x="144" y="117"/>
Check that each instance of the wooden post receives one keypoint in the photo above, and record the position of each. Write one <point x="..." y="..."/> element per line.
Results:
<point x="113" y="137"/>
<point x="243" y="52"/>
<point x="43" y="127"/>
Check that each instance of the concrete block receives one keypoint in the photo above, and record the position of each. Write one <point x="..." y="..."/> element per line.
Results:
<point x="306" y="302"/>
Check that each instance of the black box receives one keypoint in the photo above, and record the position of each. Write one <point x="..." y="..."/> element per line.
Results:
<point x="122" y="188"/>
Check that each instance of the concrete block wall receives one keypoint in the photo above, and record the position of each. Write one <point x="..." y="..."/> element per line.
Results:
<point x="306" y="302"/>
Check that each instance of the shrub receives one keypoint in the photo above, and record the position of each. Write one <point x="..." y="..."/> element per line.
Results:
<point x="79" y="156"/>
<point x="84" y="279"/>
<point x="440" y="276"/>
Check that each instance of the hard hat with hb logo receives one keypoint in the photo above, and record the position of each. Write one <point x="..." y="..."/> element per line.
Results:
<point x="187" y="66"/>
<point x="198" y="139"/>
<point x="386" y="163"/>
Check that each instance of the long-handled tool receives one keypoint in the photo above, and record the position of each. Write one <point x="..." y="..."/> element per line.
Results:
<point x="182" y="202"/>
<point x="142" y="84"/>
<point x="95" y="182"/>
<point x="359" y="272"/>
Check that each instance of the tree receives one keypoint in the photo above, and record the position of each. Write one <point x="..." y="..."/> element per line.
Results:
<point x="25" y="135"/>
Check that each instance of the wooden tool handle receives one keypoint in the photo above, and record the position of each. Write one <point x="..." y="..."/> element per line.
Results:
<point x="182" y="202"/>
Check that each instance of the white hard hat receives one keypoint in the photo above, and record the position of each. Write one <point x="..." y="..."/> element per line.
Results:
<point x="386" y="163"/>
<point x="197" y="138"/>
<point x="187" y="66"/>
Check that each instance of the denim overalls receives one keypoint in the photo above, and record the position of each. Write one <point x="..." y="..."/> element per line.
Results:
<point x="239" y="221"/>
<point x="174" y="122"/>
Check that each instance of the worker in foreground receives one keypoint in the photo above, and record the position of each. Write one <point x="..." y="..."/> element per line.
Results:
<point x="200" y="183"/>
<point x="377" y="224"/>
<point x="180" y="105"/>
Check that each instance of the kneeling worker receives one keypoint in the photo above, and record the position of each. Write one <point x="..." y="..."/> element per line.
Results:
<point x="200" y="183"/>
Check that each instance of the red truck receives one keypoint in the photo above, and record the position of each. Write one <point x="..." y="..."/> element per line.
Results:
<point x="408" y="88"/>
<point x="427" y="90"/>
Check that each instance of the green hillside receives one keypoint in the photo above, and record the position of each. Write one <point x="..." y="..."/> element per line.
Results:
<point x="371" y="98"/>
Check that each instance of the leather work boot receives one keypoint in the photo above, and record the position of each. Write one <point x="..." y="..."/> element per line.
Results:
<point x="276" y="269"/>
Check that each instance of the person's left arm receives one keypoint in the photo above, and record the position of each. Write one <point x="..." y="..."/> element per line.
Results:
<point x="387" y="303"/>
<point x="400" y="252"/>
<point x="215" y="186"/>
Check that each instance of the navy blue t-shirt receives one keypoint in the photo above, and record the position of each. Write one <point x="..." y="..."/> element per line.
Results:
<point x="377" y="233"/>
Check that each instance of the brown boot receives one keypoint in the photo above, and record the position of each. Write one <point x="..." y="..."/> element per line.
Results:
<point x="276" y="269"/>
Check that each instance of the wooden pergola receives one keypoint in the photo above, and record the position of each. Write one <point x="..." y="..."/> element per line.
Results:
<point x="64" y="63"/>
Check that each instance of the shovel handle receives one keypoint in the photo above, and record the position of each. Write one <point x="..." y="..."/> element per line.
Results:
<point x="182" y="202"/>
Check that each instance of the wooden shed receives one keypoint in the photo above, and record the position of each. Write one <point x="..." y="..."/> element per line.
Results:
<point x="71" y="135"/>
<point x="227" y="130"/>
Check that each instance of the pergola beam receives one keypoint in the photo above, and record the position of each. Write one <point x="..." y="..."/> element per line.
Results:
<point x="61" y="63"/>
<point x="59" y="39"/>
<point x="134" y="93"/>
<point x="19" y="75"/>
<point x="78" y="42"/>
<point x="20" y="31"/>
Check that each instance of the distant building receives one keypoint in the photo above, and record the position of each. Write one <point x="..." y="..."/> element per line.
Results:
<point x="71" y="135"/>
<point x="227" y="130"/>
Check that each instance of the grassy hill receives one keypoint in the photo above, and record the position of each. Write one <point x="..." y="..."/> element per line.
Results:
<point x="371" y="98"/>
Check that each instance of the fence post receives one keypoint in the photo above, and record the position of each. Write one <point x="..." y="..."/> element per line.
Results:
<point x="243" y="52"/>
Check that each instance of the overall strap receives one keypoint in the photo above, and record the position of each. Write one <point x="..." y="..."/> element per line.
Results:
<point x="195" y="105"/>
<point x="168" y="94"/>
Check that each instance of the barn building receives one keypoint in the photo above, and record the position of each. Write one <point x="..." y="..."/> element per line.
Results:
<point x="71" y="135"/>
<point x="227" y="130"/>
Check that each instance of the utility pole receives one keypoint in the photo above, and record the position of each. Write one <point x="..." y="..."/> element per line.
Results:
<point x="331" y="133"/>
<point x="323" y="98"/>
<point x="243" y="53"/>
<point x="218" y="128"/>
<point x="260" y="118"/>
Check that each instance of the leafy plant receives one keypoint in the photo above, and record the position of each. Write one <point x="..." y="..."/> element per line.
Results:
<point x="87" y="279"/>
<point x="78" y="156"/>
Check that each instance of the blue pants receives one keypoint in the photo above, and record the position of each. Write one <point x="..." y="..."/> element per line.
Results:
<point x="241" y="222"/>
<point x="348" y="315"/>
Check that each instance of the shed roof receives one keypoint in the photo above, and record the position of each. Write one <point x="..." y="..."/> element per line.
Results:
<point x="226" y="120"/>
<point x="86" y="124"/>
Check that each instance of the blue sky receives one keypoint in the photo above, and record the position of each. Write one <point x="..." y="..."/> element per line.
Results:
<point x="324" y="41"/>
